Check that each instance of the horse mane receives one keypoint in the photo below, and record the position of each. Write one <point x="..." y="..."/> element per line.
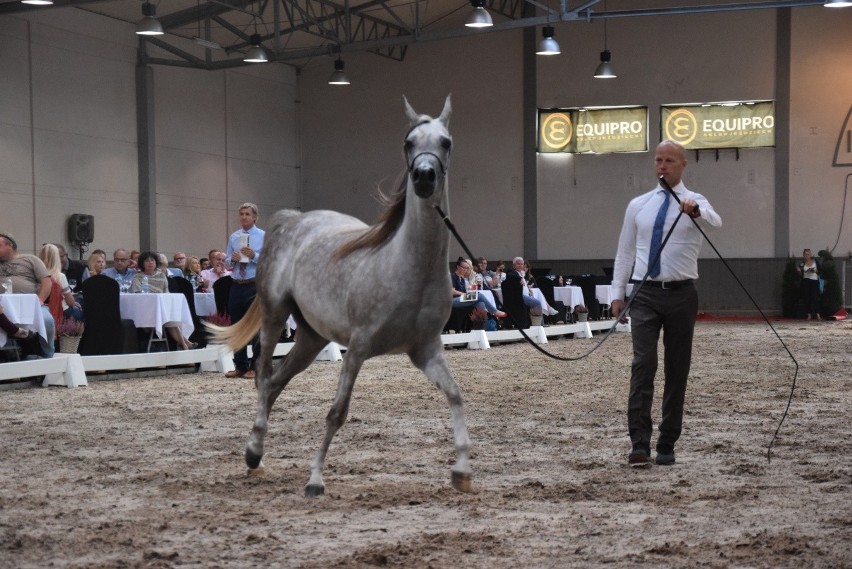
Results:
<point x="385" y="228"/>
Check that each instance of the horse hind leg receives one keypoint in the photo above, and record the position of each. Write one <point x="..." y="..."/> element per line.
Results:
<point x="271" y="383"/>
<point x="430" y="359"/>
<point x="334" y="420"/>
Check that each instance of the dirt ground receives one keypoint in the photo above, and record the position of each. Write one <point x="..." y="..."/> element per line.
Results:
<point x="150" y="472"/>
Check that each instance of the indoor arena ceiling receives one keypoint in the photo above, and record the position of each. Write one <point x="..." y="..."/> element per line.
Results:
<point x="215" y="34"/>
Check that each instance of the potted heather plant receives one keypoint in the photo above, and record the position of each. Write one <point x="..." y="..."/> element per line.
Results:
<point x="581" y="312"/>
<point x="69" y="333"/>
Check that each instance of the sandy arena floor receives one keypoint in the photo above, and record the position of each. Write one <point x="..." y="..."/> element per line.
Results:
<point x="150" y="472"/>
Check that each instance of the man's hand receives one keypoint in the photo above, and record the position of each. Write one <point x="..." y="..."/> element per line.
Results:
<point x="616" y="307"/>
<point x="690" y="208"/>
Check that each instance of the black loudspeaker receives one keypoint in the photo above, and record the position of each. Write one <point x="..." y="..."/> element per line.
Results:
<point x="81" y="228"/>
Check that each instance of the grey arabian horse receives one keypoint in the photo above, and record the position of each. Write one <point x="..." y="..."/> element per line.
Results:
<point x="330" y="271"/>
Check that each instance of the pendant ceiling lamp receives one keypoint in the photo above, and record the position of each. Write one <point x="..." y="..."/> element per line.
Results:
<point x="149" y="25"/>
<point x="548" y="45"/>
<point x="479" y="17"/>
<point x="338" y="76"/>
<point x="256" y="53"/>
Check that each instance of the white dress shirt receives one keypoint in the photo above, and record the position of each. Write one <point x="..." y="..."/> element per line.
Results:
<point x="679" y="259"/>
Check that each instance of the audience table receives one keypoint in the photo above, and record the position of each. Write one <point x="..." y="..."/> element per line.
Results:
<point x="157" y="310"/>
<point x="25" y="311"/>
<point x="570" y="296"/>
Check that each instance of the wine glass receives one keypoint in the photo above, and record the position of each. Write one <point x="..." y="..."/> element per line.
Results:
<point x="72" y="283"/>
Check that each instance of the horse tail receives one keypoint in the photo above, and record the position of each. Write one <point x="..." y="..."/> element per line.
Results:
<point x="240" y="334"/>
<point x="383" y="230"/>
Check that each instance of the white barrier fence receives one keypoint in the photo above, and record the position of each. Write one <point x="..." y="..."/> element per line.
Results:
<point x="69" y="370"/>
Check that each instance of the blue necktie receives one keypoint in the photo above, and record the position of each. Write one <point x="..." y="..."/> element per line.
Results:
<point x="657" y="238"/>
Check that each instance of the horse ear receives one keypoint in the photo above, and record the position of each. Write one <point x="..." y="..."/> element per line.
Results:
<point x="445" y="114"/>
<point x="409" y="112"/>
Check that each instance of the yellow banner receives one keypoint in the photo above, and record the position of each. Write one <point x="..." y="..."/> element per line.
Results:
<point x="740" y="125"/>
<point x="596" y="130"/>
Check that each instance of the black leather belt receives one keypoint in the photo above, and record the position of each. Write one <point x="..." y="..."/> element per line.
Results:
<point x="245" y="282"/>
<point x="666" y="285"/>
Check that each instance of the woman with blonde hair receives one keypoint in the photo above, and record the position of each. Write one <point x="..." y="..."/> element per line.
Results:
<point x="96" y="263"/>
<point x="192" y="273"/>
<point x="61" y="301"/>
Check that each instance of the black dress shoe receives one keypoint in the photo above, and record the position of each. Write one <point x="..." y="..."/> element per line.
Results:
<point x="638" y="458"/>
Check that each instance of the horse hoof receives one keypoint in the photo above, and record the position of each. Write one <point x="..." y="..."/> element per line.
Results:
<point x="461" y="481"/>
<point x="252" y="459"/>
<point x="256" y="472"/>
<point x="314" y="491"/>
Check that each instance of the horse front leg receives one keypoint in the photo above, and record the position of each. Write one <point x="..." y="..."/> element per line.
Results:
<point x="270" y="384"/>
<point x="334" y="420"/>
<point x="430" y="359"/>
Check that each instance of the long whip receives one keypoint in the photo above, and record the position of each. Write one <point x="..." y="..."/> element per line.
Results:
<point x="666" y="185"/>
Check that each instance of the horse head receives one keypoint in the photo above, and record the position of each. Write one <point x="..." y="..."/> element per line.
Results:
<point x="428" y="146"/>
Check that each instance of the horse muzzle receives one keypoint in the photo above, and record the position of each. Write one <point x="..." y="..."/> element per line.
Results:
<point x="425" y="176"/>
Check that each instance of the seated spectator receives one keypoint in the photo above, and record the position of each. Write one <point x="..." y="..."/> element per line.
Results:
<point x="489" y="278"/>
<point x="205" y="263"/>
<point x="73" y="269"/>
<point x="528" y="276"/>
<point x="150" y="272"/>
<point x="459" y="278"/>
<point x="519" y="272"/>
<point x="61" y="301"/>
<point x="217" y="269"/>
<point x="86" y="272"/>
<point x="96" y="264"/>
<point x="192" y="272"/>
<point x="157" y="282"/>
<point x="120" y="270"/>
<point x="500" y="271"/>
<point x="178" y="268"/>
<point x="134" y="259"/>
<point x="29" y="276"/>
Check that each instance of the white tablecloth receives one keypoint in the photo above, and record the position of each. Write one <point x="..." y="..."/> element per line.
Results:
<point x="570" y="296"/>
<point x="205" y="304"/>
<point x="25" y="311"/>
<point x="604" y="293"/>
<point x="156" y="310"/>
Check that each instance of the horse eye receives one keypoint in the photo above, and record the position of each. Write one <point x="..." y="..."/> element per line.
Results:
<point x="446" y="143"/>
<point x="407" y="145"/>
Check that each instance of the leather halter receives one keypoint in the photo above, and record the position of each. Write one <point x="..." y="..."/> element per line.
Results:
<point x="444" y="167"/>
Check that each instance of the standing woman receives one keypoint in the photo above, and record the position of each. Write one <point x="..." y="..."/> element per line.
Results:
<point x="61" y="300"/>
<point x="809" y="271"/>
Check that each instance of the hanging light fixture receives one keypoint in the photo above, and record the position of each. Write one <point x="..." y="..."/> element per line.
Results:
<point x="548" y="45"/>
<point x="256" y="53"/>
<point x="479" y="18"/>
<point x="149" y="25"/>
<point x="37" y="2"/>
<point x="338" y="76"/>
<point x="837" y="3"/>
<point x="604" y="70"/>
